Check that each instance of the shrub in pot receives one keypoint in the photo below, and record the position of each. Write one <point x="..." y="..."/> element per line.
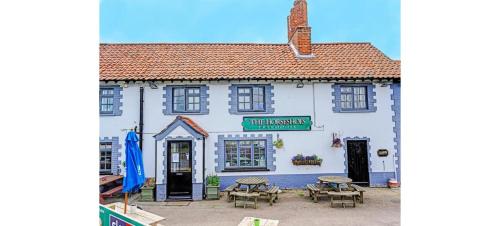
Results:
<point x="147" y="190"/>
<point x="213" y="187"/>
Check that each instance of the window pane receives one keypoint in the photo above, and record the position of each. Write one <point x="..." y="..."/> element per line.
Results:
<point x="107" y="92"/>
<point x="259" y="153"/>
<point x="243" y="90"/>
<point x="179" y="99"/>
<point x="178" y="91"/>
<point x="346" y="89"/>
<point x="231" y="153"/>
<point x="245" y="154"/>
<point x="258" y="98"/>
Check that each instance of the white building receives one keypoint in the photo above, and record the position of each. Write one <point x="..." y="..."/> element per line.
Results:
<point x="205" y="109"/>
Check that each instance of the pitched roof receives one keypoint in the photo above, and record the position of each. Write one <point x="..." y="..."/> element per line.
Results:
<point x="185" y="122"/>
<point x="193" y="125"/>
<point x="203" y="61"/>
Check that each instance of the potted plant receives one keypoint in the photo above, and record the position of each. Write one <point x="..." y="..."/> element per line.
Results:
<point x="213" y="190"/>
<point x="147" y="190"/>
<point x="300" y="159"/>
<point x="278" y="143"/>
<point x="336" y="142"/>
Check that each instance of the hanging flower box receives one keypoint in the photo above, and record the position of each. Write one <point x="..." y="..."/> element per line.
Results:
<point x="336" y="141"/>
<point x="306" y="160"/>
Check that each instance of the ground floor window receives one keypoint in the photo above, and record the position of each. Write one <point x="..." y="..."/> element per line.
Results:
<point x="105" y="157"/>
<point x="245" y="153"/>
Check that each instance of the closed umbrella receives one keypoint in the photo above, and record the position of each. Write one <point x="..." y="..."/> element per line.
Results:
<point x="134" y="168"/>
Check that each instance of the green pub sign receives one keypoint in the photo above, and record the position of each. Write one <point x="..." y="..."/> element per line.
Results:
<point x="277" y="123"/>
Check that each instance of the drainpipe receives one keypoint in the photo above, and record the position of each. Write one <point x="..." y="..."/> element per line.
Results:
<point x="203" y="192"/>
<point x="156" y="179"/>
<point x="141" y="114"/>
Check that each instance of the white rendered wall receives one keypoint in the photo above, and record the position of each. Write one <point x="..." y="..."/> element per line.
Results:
<point x="289" y="101"/>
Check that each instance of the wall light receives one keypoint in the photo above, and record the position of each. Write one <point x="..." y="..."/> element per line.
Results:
<point x="300" y="85"/>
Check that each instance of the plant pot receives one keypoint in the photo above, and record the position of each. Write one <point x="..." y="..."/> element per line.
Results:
<point x="213" y="192"/>
<point x="392" y="183"/>
<point x="147" y="194"/>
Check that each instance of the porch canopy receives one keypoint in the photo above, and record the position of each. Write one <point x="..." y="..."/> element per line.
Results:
<point x="188" y="124"/>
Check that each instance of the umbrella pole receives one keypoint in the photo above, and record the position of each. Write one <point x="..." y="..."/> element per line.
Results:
<point x="126" y="203"/>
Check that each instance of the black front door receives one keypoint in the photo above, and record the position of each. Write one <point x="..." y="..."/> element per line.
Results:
<point x="179" y="177"/>
<point x="357" y="157"/>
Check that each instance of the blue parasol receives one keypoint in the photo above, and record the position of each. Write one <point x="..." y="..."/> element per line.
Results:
<point x="134" y="169"/>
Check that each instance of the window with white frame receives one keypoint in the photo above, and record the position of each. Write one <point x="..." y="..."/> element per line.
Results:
<point x="353" y="97"/>
<point x="105" y="150"/>
<point x="106" y="100"/>
<point x="186" y="99"/>
<point x="245" y="154"/>
<point x="251" y="98"/>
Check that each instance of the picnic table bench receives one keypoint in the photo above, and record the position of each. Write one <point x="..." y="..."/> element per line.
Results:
<point x="315" y="191"/>
<point x="111" y="192"/>
<point x="359" y="189"/>
<point x="229" y="189"/>
<point x="350" y="195"/>
<point x="272" y="194"/>
<point x="244" y="197"/>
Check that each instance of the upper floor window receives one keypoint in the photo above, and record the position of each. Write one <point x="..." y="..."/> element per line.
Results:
<point x="251" y="98"/>
<point x="110" y="100"/>
<point x="185" y="99"/>
<point x="105" y="151"/>
<point x="107" y="97"/>
<point x="354" y="98"/>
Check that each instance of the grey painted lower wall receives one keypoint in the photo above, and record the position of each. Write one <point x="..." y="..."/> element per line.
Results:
<point x="377" y="179"/>
<point x="161" y="192"/>
<point x="198" y="191"/>
<point x="281" y="180"/>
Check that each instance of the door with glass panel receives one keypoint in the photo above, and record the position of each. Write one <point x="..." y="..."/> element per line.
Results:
<point x="179" y="171"/>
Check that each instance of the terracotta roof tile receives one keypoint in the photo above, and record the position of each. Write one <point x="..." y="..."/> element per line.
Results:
<point x="193" y="125"/>
<point x="203" y="61"/>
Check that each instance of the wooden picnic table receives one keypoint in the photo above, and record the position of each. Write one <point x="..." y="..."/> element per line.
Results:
<point x="137" y="214"/>
<point x="252" y="183"/>
<point x="248" y="221"/>
<point x="103" y="180"/>
<point x="338" y="180"/>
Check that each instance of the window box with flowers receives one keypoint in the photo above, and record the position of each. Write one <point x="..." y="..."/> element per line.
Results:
<point x="306" y="160"/>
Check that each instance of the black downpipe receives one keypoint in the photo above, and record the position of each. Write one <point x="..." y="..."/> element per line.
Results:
<point x="203" y="192"/>
<point x="141" y="116"/>
<point x="156" y="179"/>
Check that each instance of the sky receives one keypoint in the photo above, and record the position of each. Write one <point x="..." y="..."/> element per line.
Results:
<point x="249" y="21"/>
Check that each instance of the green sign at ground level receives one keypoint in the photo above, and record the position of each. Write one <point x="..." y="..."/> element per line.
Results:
<point x="277" y="123"/>
<point x="108" y="217"/>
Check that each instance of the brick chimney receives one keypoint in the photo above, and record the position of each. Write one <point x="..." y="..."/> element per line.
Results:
<point x="299" y="32"/>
